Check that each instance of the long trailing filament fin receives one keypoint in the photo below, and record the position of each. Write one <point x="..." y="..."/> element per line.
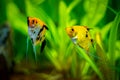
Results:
<point x="35" y="55"/>
<point x="27" y="48"/>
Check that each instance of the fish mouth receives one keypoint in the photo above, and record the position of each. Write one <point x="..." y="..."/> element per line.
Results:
<point x="69" y="33"/>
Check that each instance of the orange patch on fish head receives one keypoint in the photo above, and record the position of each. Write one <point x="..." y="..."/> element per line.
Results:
<point x="71" y="32"/>
<point x="33" y="22"/>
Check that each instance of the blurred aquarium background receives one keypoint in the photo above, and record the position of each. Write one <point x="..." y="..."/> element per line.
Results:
<point x="61" y="59"/>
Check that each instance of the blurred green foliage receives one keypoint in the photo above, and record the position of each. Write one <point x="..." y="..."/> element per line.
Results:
<point x="60" y="53"/>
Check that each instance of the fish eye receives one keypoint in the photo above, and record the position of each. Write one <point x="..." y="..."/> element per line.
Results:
<point x="72" y="29"/>
<point x="33" y="21"/>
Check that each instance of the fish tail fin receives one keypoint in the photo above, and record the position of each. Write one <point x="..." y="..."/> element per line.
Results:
<point x="100" y="60"/>
<point x="35" y="55"/>
<point x="95" y="56"/>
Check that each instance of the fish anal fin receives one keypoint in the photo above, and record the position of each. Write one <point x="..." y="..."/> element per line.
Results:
<point x="43" y="45"/>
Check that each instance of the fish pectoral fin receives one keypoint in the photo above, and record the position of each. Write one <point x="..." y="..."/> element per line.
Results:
<point x="43" y="45"/>
<point x="74" y="39"/>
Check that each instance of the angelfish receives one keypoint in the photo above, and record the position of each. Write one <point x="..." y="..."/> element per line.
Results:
<point x="80" y="35"/>
<point x="36" y="32"/>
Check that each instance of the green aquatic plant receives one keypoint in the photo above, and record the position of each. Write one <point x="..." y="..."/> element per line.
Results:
<point x="60" y="55"/>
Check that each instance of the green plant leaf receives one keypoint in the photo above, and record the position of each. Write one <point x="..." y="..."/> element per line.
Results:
<point x="113" y="37"/>
<point x="3" y="16"/>
<point x="92" y="64"/>
<point x="112" y="41"/>
<point x="95" y="11"/>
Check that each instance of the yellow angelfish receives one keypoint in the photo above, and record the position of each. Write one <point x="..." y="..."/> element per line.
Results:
<point x="80" y="35"/>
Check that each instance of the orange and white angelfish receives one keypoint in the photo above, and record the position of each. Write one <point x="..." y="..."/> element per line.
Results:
<point x="36" y="32"/>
